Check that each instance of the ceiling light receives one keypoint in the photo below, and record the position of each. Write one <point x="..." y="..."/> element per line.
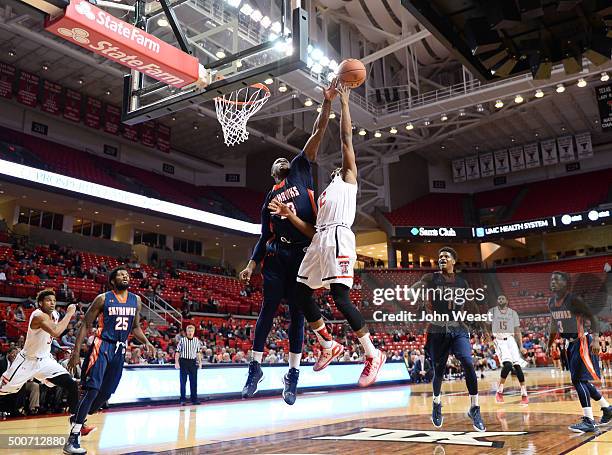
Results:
<point x="162" y="22"/>
<point x="518" y="99"/>
<point x="512" y="139"/>
<point x="246" y="9"/>
<point x="539" y="93"/>
<point x="581" y="83"/>
<point x="362" y="132"/>
<point x="324" y="61"/>
<point x="195" y="126"/>
<point x="220" y="54"/>
<point x="95" y="212"/>
<point x="256" y="15"/>
<point x="142" y="222"/>
<point x="317" y="54"/>
<point x="560" y="88"/>
<point x="108" y="92"/>
<point x="332" y="115"/>
<point x="308" y="102"/>
<point x="157" y="225"/>
<point x="319" y="109"/>
<point x="461" y="112"/>
<point x="45" y="66"/>
<point x="282" y="88"/>
<point x="409" y="126"/>
<point x="426" y="122"/>
<point x="317" y="68"/>
<point x="479" y="108"/>
<point x="442" y="146"/>
<point x="269" y="81"/>
<point x="393" y="130"/>
<point x="265" y="22"/>
<point x="333" y="65"/>
<point x="377" y="133"/>
<point x="604" y="77"/>
<point x="234" y="3"/>
<point x="499" y="104"/>
<point x="276" y="27"/>
<point x="173" y="118"/>
<point x="12" y="52"/>
<point x="80" y="81"/>
<point x="182" y="230"/>
<point x="444" y="117"/>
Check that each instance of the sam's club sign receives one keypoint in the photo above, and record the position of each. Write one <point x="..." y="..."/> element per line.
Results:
<point x="433" y="232"/>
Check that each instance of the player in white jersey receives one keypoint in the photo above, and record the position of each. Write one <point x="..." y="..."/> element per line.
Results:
<point x="506" y="329"/>
<point x="35" y="360"/>
<point x="331" y="256"/>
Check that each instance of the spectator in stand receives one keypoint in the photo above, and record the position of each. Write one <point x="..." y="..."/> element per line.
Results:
<point x="380" y="264"/>
<point x="43" y="275"/>
<point x="137" y="358"/>
<point x="32" y="278"/>
<point x="160" y="358"/>
<point x="152" y="331"/>
<point x="3" y="275"/>
<point x="69" y="339"/>
<point x="19" y="314"/>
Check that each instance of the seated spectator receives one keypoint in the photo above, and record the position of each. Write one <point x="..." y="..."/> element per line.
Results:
<point x="19" y="314"/>
<point x="160" y="358"/>
<point x="43" y="275"/>
<point x="69" y="339"/>
<point x="32" y="278"/>
<point x="152" y="330"/>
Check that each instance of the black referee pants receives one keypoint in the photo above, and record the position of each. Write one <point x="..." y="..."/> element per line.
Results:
<point x="188" y="367"/>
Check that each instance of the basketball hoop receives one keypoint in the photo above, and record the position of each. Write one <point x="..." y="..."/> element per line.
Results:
<point x="236" y="108"/>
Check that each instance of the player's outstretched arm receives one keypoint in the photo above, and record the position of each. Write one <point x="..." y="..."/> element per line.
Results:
<point x="278" y="208"/>
<point x="92" y="314"/>
<point x="349" y="164"/>
<point x="137" y="329"/>
<point x="318" y="130"/>
<point x="43" y="321"/>
<point x="260" y="248"/>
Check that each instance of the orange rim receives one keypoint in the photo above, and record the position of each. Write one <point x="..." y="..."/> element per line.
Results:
<point x="259" y="86"/>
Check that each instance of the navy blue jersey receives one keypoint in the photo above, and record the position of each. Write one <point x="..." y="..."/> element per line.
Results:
<point x="443" y="303"/>
<point x="297" y="191"/>
<point x="117" y="317"/>
<point x="568" y="322"/>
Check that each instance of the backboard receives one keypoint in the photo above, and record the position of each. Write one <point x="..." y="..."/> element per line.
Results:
<point x="237" y="42"/>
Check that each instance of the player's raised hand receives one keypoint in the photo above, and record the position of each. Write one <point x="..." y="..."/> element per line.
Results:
<point x="278" y="208"/>
<point x="330" y="92"/>
<point x="344" y="92"/>
<point x="71" y="309"/>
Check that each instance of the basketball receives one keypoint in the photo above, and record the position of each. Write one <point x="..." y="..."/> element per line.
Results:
<point x="352" y="72"/>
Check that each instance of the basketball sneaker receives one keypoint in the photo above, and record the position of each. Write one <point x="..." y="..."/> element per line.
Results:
<point x="499" y="398"/>
<point x="436" y="415"/>
<point x="86" y="429"/>
<point x="291" y="381"/>
<point x="524" y="399"/>
<point x="585" y="425"/>
<point x="73" y="445"/>
<point x="474" y="414"/>
<point x="328" y="355"/>
<point x="607" y="416"/>
<point x="371" y="369"/>
<point x="253" y="380"/>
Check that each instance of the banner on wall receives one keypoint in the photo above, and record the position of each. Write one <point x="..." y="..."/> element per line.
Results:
<point x="112" y="117"/>
<point x="7" y="79"/>
<point x="471" y="168"/>
<point x="566" y="149"/>
<point x="163" y="137"/>
<point x="147" y="134"/>
<point x="549" y="152"/>
<point x="532" y="155"/>
<point x="130" y="132"/>
<point x="93" y="113"/>
<point x="27" y="89"/>
<point x="604" y="102"/>
<point x="459" y="171"/>
<point x="517" y="159"/>
<point x="72" y="105"/>
<point x="584" y="145"/>
<point x="50" y="97"/>
<point x="502" y="165"/>
<point x="487" y="168"/>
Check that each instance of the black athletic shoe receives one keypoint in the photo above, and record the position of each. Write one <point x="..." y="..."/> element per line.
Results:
<point x="474" y="414"/>
<point x="290" y="389"/>
<point x="73" y="446"/>
<point x="607" y="415"/>
<point x="436" y="415"/>
<point x="255" y="377"/>
<point x="585" y="425"/>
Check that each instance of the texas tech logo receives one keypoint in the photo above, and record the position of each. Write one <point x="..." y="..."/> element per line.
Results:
<point x="468" y="438"/>
<point x="343" y="265"/>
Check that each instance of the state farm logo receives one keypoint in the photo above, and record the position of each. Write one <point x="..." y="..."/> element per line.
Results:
<point x="84" y="9"/>
<point x="77" y="34"/>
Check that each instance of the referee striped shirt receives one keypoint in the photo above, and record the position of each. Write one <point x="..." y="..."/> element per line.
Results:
<point x="189" y="348"/>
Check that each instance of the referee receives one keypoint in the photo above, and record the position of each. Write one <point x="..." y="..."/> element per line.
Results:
<point x="187" y="353"/>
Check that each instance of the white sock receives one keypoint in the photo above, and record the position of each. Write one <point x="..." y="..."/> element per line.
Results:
<point x="603" y="403"/>
<point x="437" y="399"/>
<point x="368" y="347"/>
<point x="588" y="412"/>
<point x="474" y="400"/>
<point x="76" y="428"/>
<point x="500" y="388"/>
<point x="524" y="390"/>
<point x="257" y="356"/>
<point x="324" y="337"/>
<point x="294" y="360"/>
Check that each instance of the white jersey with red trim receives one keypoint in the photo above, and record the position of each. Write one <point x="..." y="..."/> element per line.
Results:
<point x="337" y="204"/>
<point x="38" y="342"/>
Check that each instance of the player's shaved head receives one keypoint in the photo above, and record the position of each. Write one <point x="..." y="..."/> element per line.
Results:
<point x="280" y="169"/>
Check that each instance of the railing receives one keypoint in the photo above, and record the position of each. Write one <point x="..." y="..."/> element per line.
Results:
<point x="160" y="308"/>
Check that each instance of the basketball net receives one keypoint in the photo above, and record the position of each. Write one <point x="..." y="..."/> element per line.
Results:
<point x="234" y="110"/>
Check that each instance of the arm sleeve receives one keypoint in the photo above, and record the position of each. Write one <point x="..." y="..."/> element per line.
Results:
<point x="301" y="170"/>
<point x="260" y="248"/>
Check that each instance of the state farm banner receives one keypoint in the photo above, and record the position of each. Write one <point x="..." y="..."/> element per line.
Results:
<point x="517" y="160"/>
<point x="502" y="164"/>
<point x="112" y="119"/>
<point x="147" y="134"/>
<point x="566" y="149"/>
<point x="487" y="168"/>
<point x="163" y="138"/>
<point x="72" y="105"/>
<point x="471" y="168"/>
<point x="50" y="97"/>
<point x="7" y="79"/>
<point x="93" y="113"/>
<point x="130" y="132"/>
<point x="27" y="90"/>
<point x="96" y="30"/>
<point x="532" y="155"/>
<point x="549" y="152"/>
<point x="584" y="145"/>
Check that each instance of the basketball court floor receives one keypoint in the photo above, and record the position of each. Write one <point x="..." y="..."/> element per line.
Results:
<point x="379" y="420"/>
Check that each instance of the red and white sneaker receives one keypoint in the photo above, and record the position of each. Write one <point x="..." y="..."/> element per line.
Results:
<point x="499" y="398"/>
<point x="328" y="355"/>
<point x="371" y="369"/>
<point x="525" y="399"/>
<point x="86" y="429"/>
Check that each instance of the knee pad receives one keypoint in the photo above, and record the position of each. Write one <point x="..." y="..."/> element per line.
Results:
<point x="507" y="367"/>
